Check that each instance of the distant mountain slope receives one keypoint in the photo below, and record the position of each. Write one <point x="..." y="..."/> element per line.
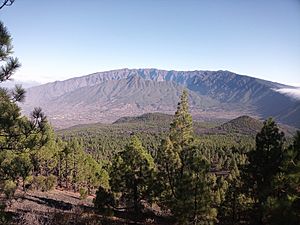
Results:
<point x="113" y="99"/>
<point x="25" y="84"/>
<point x="243" y="122"/>
<point x="107" y="96"/>
<point x="244" y="125"/>
<point x="146" y="118"/>
<point x="291" y="115"/>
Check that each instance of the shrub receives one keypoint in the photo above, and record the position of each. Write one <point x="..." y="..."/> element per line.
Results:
<point x="9" y="188"/>
<point x="44" y="183"/>
<point x="5" y="217"/>
<point x="29" y="182"/>
<point x="50" y="183"/>
<point x="83" y="193"/>
<point x="104" y="200"/>
<point x="39" y="183"/>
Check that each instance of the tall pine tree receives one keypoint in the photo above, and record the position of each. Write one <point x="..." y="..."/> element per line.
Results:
<point x="265" y="163"/>
<point x="283" y="206"/>
<point x="183" y="171"/>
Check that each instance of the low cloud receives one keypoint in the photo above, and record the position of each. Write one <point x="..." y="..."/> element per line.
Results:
<point x="292" y="92"/>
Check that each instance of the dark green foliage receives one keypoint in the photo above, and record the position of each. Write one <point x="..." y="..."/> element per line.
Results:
<point x="42" y="183"/>
<point x="50" y="182"/>
<point x="283" y="207"/>
<point x="147" y="118"/>
<point x="22" y="166"/>
<point x="6" y="49"/>
<point x="132" y="174"/>
<point x="9" y="188"/>
<point x="104" y="200"/>
<point x="16" y="132"/>
<point x="182" y="172"/>
<point x="5" y="217"/>
<point x="242" y="125"/>
<point x="39" y="183"/>
<point x="264" y="163"/>
<point x="270" y="180"/>
<point x="103" y="141"/>
<point x="181" y="129"/>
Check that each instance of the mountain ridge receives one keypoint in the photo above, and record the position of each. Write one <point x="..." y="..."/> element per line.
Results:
<point x="213" y="94"/>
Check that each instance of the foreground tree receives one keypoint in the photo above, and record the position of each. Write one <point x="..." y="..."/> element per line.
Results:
<point x="283" y="207"/>
<point x="16" y="131"/>
<point x="10" y="64"/>
<point x="18" y="134"/>
<point x="265" y="163"/>
<point x="132" y="175"/>
<point x="183" y="172"/>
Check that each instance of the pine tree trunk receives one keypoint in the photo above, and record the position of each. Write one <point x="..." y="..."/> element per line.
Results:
<point x="195" y="202"/>
<point x="59" y="173"/>
<point x="24" y="188"/>
<point x="66" y="174"/>
<point x="135" y="197"/>
<point x="74" y="176"/>
<point x="234" y="207"/>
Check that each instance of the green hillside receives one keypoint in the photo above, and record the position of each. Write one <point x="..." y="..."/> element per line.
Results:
<point x="104" y="140"/>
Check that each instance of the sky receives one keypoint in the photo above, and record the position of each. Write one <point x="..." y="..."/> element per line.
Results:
<point x="59" y="39"/>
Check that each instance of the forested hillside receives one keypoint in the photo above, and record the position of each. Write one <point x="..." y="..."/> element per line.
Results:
<point x="104" y="140"/>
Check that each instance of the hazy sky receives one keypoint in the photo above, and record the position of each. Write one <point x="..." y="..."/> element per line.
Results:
<point x="58" y="39"/>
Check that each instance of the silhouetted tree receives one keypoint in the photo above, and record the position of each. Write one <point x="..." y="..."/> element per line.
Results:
<point x="6" y="3"/>
<point x="265" y="163"/>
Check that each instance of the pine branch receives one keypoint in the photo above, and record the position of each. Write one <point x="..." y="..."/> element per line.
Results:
<point x="7" y="70"/>
<point x="7" y="3"/>
<point x="5" y="42"/>
<point x="18" y="94"/>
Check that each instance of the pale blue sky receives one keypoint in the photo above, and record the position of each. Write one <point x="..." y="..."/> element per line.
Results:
<point x="58" y="39"/>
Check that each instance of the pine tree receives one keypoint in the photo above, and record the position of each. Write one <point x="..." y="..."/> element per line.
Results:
<point x="22" y="166"/>
<point x="45" y="158"/>
<point x="180" y="137"/>
<point x="182" y="171"/>
<point x="6" y="49"/>
<point x="264" y="163"/>
<point x="93" y="174"/>
<point x="18" y="134"/>
<point x="6" y="3"/>
<point x="181" y="129"/>
<point x="132" y="174"/>
<point x="283" y="206"/>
